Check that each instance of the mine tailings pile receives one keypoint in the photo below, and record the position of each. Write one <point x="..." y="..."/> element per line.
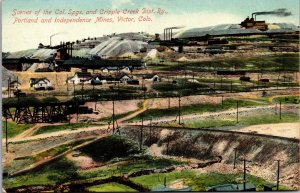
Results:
<point x="207" y="145"/>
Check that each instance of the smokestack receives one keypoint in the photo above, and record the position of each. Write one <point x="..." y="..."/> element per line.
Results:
<point x="71" y="49"/>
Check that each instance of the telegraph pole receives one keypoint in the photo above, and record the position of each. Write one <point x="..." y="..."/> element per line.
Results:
<point x="235" y="151"/>
<point x="244" y="184"/>
<point x="69" y="116"/>
<point x="74" y="88"/>
<point x="278" y="165"/>
<point x="113" y="115"/>
<point x="141" y="134"/>
<point x="237" y="111"/>
<point x="280" y="110"/>
<point x="179" y="109"/>
<point x="82" y="91"/>
<point x="222" y="101"/>
<point x="257" y="81"/>
<point x="94" y="91"/>
<point x="221" y="83"/>
<point x="8" y="87"/>
<point x="18" y="97"/>
<point x="6" y="142"/>
<point x="150" y="128"/>
<point x="67" y="86"/>
<point x="168" y="143"/>
<point x="77" y="108"/>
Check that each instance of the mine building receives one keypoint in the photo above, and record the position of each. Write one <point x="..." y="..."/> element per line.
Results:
<point x="18" y="64"/>
<point x="40" y="84"/>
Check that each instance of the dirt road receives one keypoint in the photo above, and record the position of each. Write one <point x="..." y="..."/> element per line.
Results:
<point x="289" y="130"/>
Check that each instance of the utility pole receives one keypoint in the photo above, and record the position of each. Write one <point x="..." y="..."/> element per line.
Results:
<point x="244" y="184"/>
<point x="8" y="87"/>
<point x="113" y="115"/>
<point x="67" y="86"/>
<point x="18" y="89"/>
<point x="77" y="108"/>
<point x="150" y="132"/>
<point x="237" y="111"/>
<point x="141" y="134"/>
<point x="74" y="88"/>
<point x="6" y="142"/>
<point x="168" y="143"/>
<point x="222" y="101"/>
<point x="234" y="161"/>
<point x="179" y="110"/>
<point x="280" y="110"/>
<point x="69" y="116"/>
<point x="94" y="91"/>
<point x="82" y="91"/>
<point x="278" y="167"/>
<point x="169" y="102"/>
<point x="221" y="83"/>
<point x="257" y="81"/>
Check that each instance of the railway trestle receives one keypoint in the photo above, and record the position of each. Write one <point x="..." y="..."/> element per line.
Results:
<point x="39" y="113"/>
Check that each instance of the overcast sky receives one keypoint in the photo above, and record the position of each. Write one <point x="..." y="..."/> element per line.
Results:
<point x="190" y="13"/>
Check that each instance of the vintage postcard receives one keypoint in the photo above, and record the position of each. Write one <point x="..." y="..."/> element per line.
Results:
<point x="150" y="96"/>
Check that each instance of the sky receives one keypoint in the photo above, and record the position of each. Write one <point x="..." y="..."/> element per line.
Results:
<point x="188" y="13"/>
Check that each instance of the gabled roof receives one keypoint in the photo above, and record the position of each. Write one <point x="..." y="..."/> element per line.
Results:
<point x="15" y="81"/>
<point x="149" y="76"/>
<point x="81" y="75"/>
<point x="36" y="80"/>
<point x="119" y="76"/>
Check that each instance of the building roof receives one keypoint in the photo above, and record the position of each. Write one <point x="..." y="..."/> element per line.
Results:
<point x="36" y="80"/>
<point x="119" y="76"/>
<point x="97" y="63"/>
<point x="83" y="74"/>
<point x="149" y="76"/>
<point x="44" y="70"/>
<point x="232" y="29"/>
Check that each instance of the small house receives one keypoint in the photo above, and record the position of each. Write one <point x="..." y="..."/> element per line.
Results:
<point x="14" y="85"/>
<point x="124" y="69"/>
<point x="80" y="77"/>
<point x="151" y="77"/>
<point x="99" y="79"/>
<point x="40" y="84"/>
<point x="122" y="78"/>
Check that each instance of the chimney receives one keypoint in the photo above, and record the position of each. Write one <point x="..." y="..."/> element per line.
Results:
<point x="157" y="37"/>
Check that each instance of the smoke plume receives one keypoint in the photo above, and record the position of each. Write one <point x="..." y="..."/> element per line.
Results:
<point x="277" y="12"/>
